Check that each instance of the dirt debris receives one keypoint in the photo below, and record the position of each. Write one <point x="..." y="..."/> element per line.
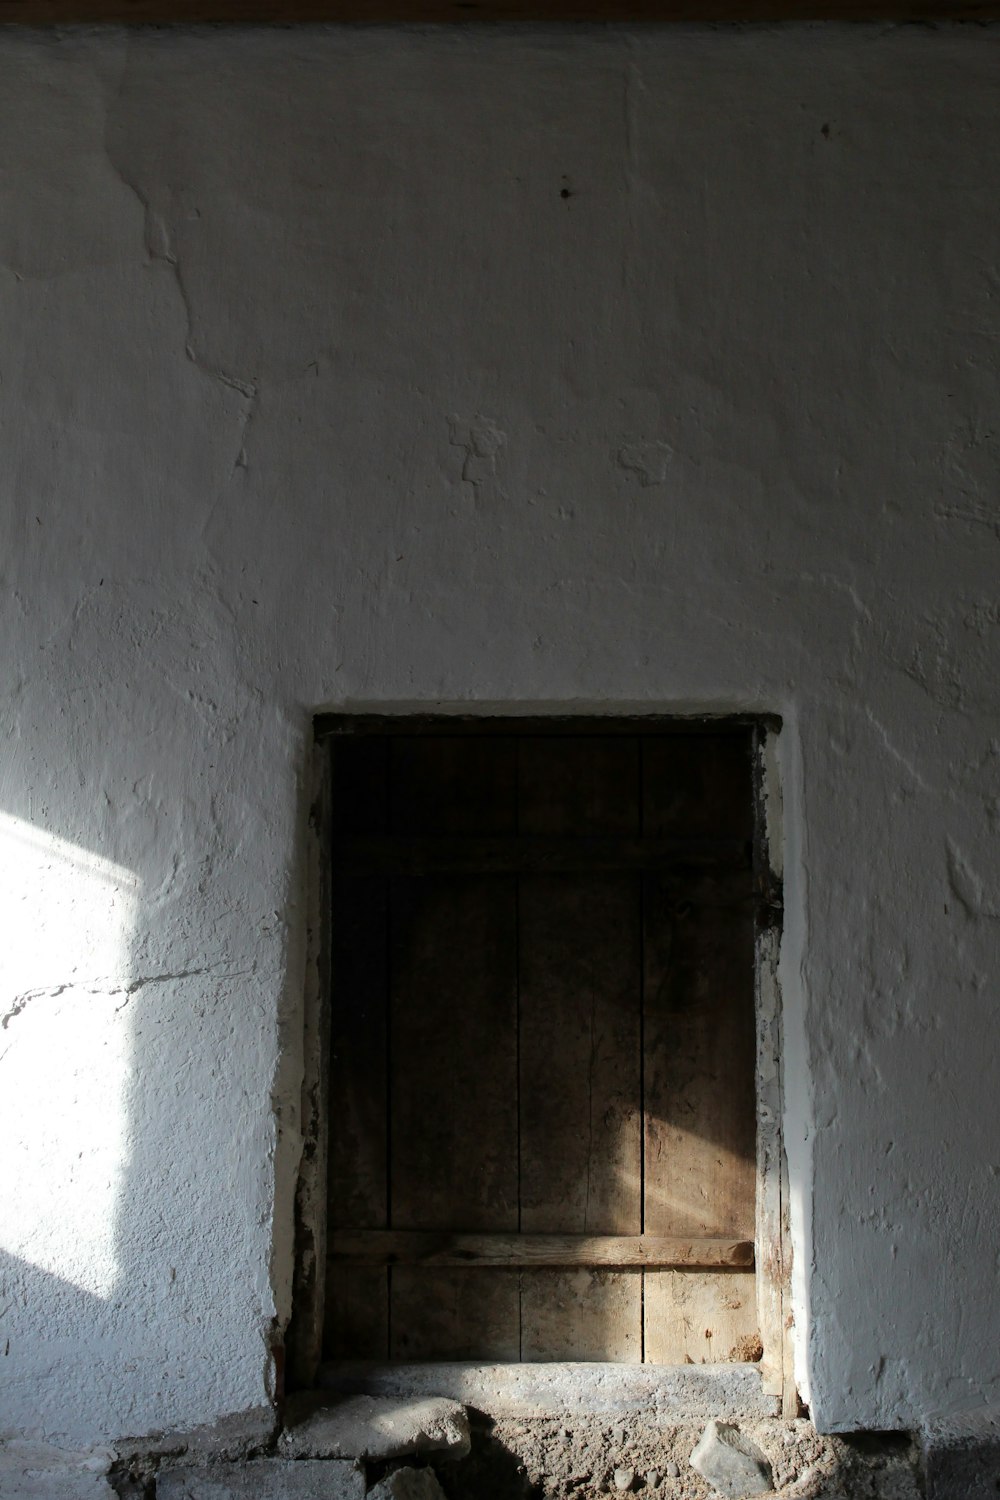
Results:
<point x="544" y="1459"/>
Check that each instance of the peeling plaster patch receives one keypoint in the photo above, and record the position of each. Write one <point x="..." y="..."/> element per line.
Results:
<point x="973" y="459"/>
<point x="158" y="244"/>
<point x="248" y="414"/>
<point x="982" y="617"/>
<point x="979" y="512"/>
<point x="649" y="460"/>
<point x="968" y="888"/>
<point x="483" y="442"/>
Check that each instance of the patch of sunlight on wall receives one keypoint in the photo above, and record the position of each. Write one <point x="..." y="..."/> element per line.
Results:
<point x="67" y="919"/>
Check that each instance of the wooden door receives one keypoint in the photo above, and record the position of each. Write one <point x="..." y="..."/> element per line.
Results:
<point x="542" y="1117"/>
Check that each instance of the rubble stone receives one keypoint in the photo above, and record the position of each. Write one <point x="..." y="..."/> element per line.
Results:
<point x="376" y="1428"/>
<point x="264" y="1479"/>
<point x="40" y="1471"/>
<point x="961" y="1454"/>
<point x="624" y="1479"/>
<point x="730" y="1462"/>
<point x="408" y="1484"/>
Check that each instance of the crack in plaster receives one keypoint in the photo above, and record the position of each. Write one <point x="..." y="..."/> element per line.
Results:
<point x="160" y="249"/>
<point x="21" y="1002"/>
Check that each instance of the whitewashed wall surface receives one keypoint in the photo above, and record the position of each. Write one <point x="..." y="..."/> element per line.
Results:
<point x="554" y="369"/>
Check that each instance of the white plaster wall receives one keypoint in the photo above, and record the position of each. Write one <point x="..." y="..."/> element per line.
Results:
<point x="316" y="391"/>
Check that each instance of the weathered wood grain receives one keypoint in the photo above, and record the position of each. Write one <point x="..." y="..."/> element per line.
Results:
<point x="453" y="1049"/>
<point x="443" y="785"/>
<point x="356" y="1299"/>
<point x="358" y="1089"/>
<point x="699" y="1042"/>
<point x="698" y="786"/>
<point x="411" y="1247"/>
<point x="455" y="1314"/>
<point x="453" y="1104"/>
<point x="356" y="1312"/>
<point x="699" y="1054"/>
<point x="581" y="1315"/>
<point x="580" y="1057"/>
<point x="699" y="1317"/>
<point x="578" y="788"/>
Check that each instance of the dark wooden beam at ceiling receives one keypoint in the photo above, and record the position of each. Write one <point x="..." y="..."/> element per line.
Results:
<point x="424" y="12"/>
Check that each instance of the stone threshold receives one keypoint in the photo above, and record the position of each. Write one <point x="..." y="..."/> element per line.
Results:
<point x="663" y="1393"/>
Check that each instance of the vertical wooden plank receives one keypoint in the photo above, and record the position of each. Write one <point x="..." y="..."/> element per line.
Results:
<point x="578" y="785"/>
<point x="700" y="1170"/>
<point x="356" y="1311"/>
<point x="699" y="1046"/>
<point x="698" y="785"/>
<point x="453" y="1051"/>
<point x="581" y="1315"/>
<point x="306" y="1331"/>
<point x="357" y="1296"/>
<point x="447" y="784"/>
<point x="701" y="1317"/>
<point x="455" y="1314"/>
<point x="771" y="1270"/>
<point x="777" y="1367"/>
<point x="699" y="1068"/>
<point x="580" y="1117"/>
<point x="580" y="1113"/>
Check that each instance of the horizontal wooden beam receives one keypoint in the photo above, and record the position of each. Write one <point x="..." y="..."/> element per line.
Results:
<point x="409" y="1247"/>
<point x="423" y="12"/>
<point x="391" y="854"/>
<point x="544" y="726"/>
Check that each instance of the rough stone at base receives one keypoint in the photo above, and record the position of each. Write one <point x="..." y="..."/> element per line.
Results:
<point x="408" y="1484"/>
<point x="67" y="1485"/>
<point x="40" y="1471"/>
<point x="730" y="1462"/>
<point x="961" y="1454"/>
<point x="375" y="1427"/>
<point x="264" y="1479"/>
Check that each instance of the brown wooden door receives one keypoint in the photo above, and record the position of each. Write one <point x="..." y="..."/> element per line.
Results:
<point x="542" y="1118"/>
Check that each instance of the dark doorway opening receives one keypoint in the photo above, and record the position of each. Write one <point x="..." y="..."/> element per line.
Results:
<point x="542" y="1101"/>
